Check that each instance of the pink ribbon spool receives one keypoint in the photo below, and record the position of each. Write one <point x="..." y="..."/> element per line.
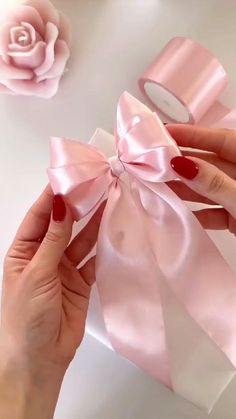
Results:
<point x="184" y="83"/>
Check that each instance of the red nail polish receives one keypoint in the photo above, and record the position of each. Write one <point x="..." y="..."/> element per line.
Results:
<point x="58" y="208"/>
<point x="185" y="167"/>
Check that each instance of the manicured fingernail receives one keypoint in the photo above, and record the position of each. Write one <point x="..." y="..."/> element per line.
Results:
<point x="185" y="167"/>
<point x="58" y="209"/>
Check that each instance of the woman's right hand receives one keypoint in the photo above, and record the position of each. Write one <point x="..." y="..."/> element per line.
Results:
<point x="208" y="176"/>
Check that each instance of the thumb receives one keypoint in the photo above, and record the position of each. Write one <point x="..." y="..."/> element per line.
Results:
<point x="207" y="180"/>
<point x="57" y="236"/>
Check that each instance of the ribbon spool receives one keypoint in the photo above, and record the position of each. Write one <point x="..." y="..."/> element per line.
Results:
<point x="184" y="82"/>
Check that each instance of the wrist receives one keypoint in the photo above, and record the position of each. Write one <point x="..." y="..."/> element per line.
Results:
<point x="28" y="388"/>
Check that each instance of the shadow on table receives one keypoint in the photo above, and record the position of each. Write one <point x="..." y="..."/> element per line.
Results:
<point x="102" y="385"/>
<point x="135" y="399"/>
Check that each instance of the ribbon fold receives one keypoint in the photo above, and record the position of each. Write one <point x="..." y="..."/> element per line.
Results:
<point x="168" y="297"/>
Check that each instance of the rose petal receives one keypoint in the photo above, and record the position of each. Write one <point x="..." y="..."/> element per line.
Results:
<point x="46" y="89"/>
<point x="46" y="10"/>
<point x="35" y="38"/>
<point x="11" y="72"/>
<point x="13" y="32"/>
<point x="51" y="36"/>
<point x="24" y="13"/>
<point x="64" y="29"/>
<point x="30" y="59"/>
<point x="4" y="89"/>
<point x="62" y="54"/>
<point x="5" y="40"/>
<point x="50" y="88"/>
<point x="31" y="30"/>
<point x="18" y="48"/>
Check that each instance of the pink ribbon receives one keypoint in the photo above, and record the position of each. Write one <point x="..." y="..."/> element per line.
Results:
<point x="184" y="83"/>
<point x="148" y="238"/>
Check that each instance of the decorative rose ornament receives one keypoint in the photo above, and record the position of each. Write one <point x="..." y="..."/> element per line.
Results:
<point x="34" y="49"/>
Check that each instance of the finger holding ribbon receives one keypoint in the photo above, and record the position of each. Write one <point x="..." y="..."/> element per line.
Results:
<point x="211" y="174"/>
<point x="153" y="257"/>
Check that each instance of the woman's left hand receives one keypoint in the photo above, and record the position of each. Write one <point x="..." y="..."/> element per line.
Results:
<point x="45" y="297"/>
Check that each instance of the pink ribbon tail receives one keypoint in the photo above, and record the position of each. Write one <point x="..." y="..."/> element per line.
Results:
<point x="168" y="297"/>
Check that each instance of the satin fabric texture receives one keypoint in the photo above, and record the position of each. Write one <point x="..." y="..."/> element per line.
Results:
<point x="168" y="297"/>
<point x="195" y="77"/>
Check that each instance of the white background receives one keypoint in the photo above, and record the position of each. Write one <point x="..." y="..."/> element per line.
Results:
<point x="114" y="41"/>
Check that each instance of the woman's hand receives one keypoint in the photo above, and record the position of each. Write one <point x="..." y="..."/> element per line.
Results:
<point x="45" y="302"/>
<point x="208" y="176"/>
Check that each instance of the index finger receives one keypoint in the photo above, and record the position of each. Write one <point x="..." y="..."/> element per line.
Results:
<point x="219" y="141"/>
<point x="35" y="223"/>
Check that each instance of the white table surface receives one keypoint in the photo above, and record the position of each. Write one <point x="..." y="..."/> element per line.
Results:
<point x="114" y="41"/>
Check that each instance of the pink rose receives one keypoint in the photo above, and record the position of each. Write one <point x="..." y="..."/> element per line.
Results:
<point x="34" y="49"/>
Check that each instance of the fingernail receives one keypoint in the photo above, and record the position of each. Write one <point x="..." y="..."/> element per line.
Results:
<point x="58" y="209"/>
<point x="185" y="167"/>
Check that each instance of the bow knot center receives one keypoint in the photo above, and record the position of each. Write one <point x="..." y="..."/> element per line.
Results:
<point x="116" y="165"/>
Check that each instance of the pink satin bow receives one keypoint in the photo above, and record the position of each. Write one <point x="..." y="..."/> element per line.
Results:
<point x="147" y="237"/>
